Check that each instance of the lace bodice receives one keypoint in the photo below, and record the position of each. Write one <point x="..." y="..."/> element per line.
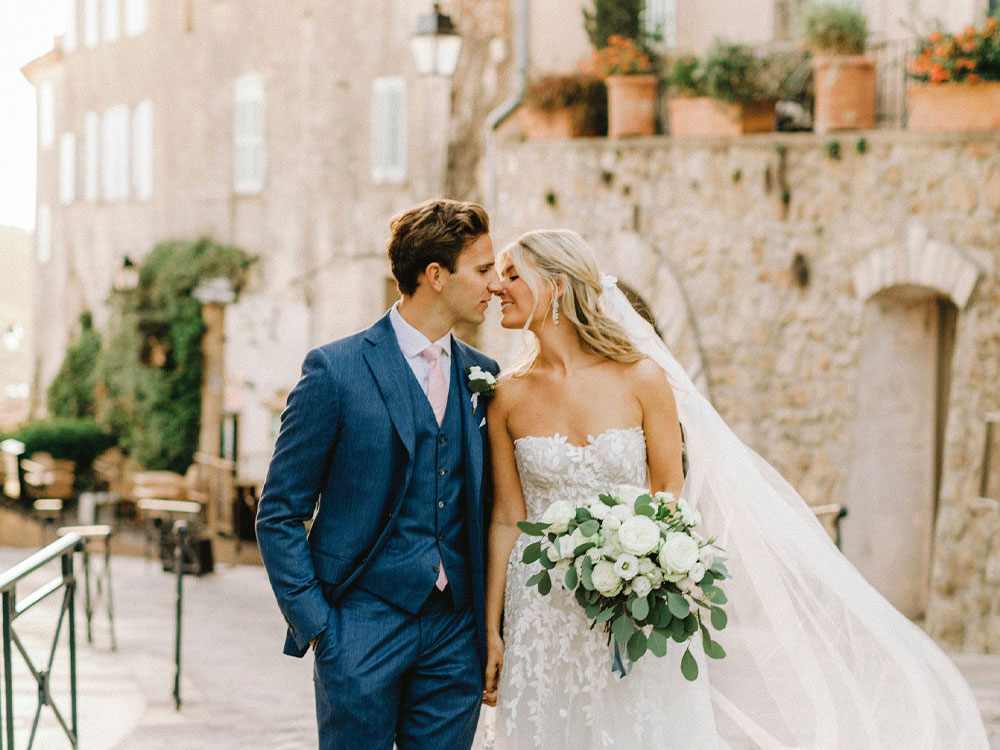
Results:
<point x="552" y="468"/>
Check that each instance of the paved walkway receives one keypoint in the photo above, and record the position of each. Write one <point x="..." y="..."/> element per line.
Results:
<point x="239" y="692"/>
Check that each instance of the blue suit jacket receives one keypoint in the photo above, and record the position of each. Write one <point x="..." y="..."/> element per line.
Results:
<point x="346" y="441"/>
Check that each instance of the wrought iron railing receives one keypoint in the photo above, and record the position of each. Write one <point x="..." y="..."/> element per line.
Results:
<point x="96" y="584"/>
<point x="890" y="70"/>
<point x="13" y="607"/>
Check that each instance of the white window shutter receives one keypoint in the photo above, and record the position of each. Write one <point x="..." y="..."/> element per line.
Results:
<point x="43" y="234"/>
<point x="115" y="153"/>
<point x="136" y="17"/>
<point x="389" y="136"/>
<point x="91" y="23"/>
<point x="67" y="168"/>
<point x="46" y="114"/>
<point x="112" y="20"/>
<point x="142" y="149"/>
<point x="69" y="40"/>
<point x="249" y="134"/>
<point x="91" y="151"/>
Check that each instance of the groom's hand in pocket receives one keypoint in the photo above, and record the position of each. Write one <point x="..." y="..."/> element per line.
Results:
<point x="494" y="665"/>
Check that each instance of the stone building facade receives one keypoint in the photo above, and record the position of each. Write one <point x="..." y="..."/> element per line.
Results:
<point x="844" y="313"/>
<point x="15" y="325"/>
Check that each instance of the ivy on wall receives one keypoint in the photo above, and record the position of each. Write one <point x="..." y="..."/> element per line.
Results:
<point x="73" y="392"/>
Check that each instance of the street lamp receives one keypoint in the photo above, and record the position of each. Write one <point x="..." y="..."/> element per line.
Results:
<point x="435" y="44"/>
<point x="127" y="278"/>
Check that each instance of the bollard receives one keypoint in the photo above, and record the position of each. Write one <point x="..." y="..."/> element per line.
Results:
<point x="180" y="535"/>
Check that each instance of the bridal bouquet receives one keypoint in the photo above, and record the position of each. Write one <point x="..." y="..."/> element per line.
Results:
<point x="637" y="567"/>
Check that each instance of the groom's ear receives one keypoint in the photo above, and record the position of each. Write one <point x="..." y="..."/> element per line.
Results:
<point x="434" y="276"/>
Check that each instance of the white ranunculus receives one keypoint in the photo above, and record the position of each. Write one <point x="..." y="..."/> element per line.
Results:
<point x="605" y="579"/>
<point x="558" y="516"/>
<point x="478" y="373"/>
<point x="599" y="510"/>
<point x="612" y="546"/>
<point x="565" y="547"/>
<point x="627" y="566"/>
<point x="628" y="493"/>
<point x="697" y="572"/>
<point x="594" y="553"/>
<point x="646" y="565"/>
<point x="655" y="577"/>
<point x="610" y="524"/>
<point x="678" y="553"/>
<point x="689" y="515"/>
<point x="639" y="535"/>
<point x="622" y="512"/>
<point x="686" y="584"/>
<point x="641" y="586"/>
<point x="665" y="497"/>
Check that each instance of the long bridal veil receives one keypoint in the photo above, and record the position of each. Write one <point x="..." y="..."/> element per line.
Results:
<point x="816" y="658"/>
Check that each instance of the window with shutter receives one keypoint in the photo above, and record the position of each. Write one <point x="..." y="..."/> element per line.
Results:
<point x="46" y="114"/>
<point x="112" y="20"/>
<point x="660" y="19"/>
<point x="136" y="17"/>
<point x="67" y="167"/>
<point x="91" y="23"/>
<point x="70" y="34"/>
<point x="115" y="153"/>
<point x="389" y="130"/>
<point x="142" y="149"/>
<point x="91" y="149"/>
<point x="43" y="234"/>
<point x="249" y="159"/>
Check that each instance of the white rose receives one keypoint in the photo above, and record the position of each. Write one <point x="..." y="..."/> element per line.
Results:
<point x="655" y="577"/>
<point x="594" y="553"/>
<point x="605" y="579"/>
<point x="628" y="493"/>
<point x="612" y="547"/>
<point x="599" y="510"/>
<point x="627" y="566"/>
<point x="610" y="524"/>
<point x="558" y="516"/>
<point x="639" y="535"/>
<point x="646" y="566"/>
<point x="622" y="512"/>
<point x="478" y="373"/>
<point x="641" y="586"/>
<point x="697" y="572"/>
<point x="689" y="515"/>
<point x="565" y="547"/>
<point x="665" y="497"/>
<point x="678" y="553"/>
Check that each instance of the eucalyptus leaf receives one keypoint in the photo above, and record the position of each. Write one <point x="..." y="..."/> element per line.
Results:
<point x="605" y="615"/>
<point x="678" y="605"/>
<point x="622" y="628"/>
<point x="545" y="584"/>
<point x="532" y="529"/>
<point x="656" y="642"/>
<point x="689" y="667"/>
<point x="690" y="625"/>
<point x="531" y="553"/>
<point x="644" y="510"/>
<point x="589" y="528"/>
<point x="592" y="611"/>
<point x="714" y="594"/>
<point x="719" y="618"/>
<point x="582" y="514"/>
<point x="608" y="500"/>
<point x="677" y="630"/>
<point x="581" y="596"/>
<point x="661" y="614"/>
<point x="533" y="581"/>
<point x="546" y="562"/>
<point x="571" y="578"/>
<point x="585" y="574"/>
<point x="583" y="548"/>
<point x="640" y="607"/>
<point x="637" y="645"/>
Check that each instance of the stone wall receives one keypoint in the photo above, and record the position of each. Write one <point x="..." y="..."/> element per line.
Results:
<point x="718" y="236"/>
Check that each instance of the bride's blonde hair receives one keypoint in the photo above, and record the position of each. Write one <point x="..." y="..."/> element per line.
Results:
<point x="561" y="257"/>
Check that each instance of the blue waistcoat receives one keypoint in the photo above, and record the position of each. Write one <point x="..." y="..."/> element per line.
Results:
<point x="431" y="522"/>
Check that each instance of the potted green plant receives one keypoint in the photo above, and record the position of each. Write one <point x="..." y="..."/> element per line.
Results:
<point x="957" y="80"/>
<point x="844" y="77"/>
<point x="628" y="74"/>
<point x="728" y="92"/>
<point x="561" y="106"/>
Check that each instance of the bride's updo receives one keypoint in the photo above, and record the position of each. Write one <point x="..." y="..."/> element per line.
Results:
<point x="551" y="256"/>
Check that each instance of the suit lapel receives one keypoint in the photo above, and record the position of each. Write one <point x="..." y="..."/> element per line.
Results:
<point x="386" y="362"/>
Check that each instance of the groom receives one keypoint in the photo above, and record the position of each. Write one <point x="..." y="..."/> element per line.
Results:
<point x="382" y="433"/>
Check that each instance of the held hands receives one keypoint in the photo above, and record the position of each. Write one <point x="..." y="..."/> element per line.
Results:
<point x="494" y="665"/>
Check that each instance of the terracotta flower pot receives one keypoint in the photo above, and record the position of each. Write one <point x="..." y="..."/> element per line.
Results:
<point x="541" y="124"/>
<point x="953" y="106"/>
<point x="631" y="105"/>
<point x="704" y="117"/>
<point x="845" y="93"/>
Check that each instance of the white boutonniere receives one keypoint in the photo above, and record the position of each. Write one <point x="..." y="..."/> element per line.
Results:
<point x="481" y="383"/>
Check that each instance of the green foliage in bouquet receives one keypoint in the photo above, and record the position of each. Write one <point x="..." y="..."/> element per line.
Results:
<point x="638" y="618"/>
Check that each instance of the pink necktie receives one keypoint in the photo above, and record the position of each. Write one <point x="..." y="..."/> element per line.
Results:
<point x="437" y="394"/>
<point x="437" y="384"/>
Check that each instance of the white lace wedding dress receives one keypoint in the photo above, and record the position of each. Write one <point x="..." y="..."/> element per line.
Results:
<point x="557" y="689"/>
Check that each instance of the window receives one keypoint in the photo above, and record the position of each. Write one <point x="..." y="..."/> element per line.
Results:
<point x="67" y="167"/>
<point x="389" y="130"/>
<point x="91" y="149"/>
<point x="248" y="134"/>
<point x="46" y="114"/>
<point x="69" y="35"/>
<point x="91" y="24"/>
<point x="112" y="20"/>
<point x="43" y="234"/>
<point x="142" y="149"/>
<point x="114" y="153"/>
<point x="136" y="17"/>
<point x="660" y="19"/>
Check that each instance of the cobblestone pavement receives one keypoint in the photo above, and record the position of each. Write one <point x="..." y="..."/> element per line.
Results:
<point x="238" y="691"/>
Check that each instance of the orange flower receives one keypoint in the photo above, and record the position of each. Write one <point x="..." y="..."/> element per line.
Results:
<point x="965" y="63"/>
<point x="991" y="26"/>
<point x="934" y="37"/>
<point x="973" y="78"/>
<point x="939" y="74"/>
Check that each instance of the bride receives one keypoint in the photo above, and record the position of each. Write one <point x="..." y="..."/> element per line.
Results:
<point x="816" y="658"/>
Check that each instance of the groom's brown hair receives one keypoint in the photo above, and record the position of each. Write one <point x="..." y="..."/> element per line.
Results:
<point x="436" y="231"/>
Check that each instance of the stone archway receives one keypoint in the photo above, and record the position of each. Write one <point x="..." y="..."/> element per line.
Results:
<point x="912" y="295"/>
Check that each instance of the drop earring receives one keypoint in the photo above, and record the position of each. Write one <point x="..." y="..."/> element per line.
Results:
<point x="555" y="311"/>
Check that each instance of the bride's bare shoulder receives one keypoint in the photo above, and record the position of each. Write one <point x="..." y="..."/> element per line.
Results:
<point x="645" y="376"/>
<point x="510" y="388"/>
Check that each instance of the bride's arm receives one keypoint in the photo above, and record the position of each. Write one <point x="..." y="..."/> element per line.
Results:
<point x="508" y="509"/>
<point x="662" y="428"/>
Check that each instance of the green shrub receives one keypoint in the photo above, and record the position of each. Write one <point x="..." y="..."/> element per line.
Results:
<point x="73" y="392"/>
<point x="78" y="440"/>
<point x="836" y="30"/>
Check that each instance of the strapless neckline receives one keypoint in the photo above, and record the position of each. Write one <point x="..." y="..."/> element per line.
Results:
<point x="591" y="439"/>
